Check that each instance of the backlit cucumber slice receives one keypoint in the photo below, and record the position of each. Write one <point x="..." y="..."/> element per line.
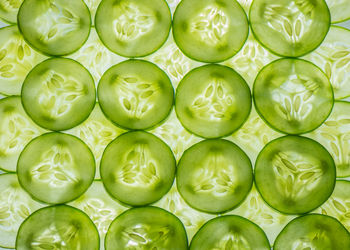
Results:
<point x="92" y="5"/>
<point x="56" y="168"/>
<point x="17" y="129"/>
<point x="212" y="101"/>
<point x="290" y="27"/>
<point x="340" y="10"/>
<point x="292" y="95"/>
<point x="54" y="27"/>
<point x="146" y="228"/>
<point x="133" y="28"/>
<point x="230" y="232"/>
<point x="313" y="231"/>
<point x="214" y="176"/>
<point x="9" y="10"/>
<point x="210" y="30"/>
<point x="294" y="174"/>
<point x="58" y="227"/>
<point x="58" y="94"/>
<point x="15" y="206"/>
<point x="245" y="4"/>
<point x="137" y="168"/>
<point x="135" y="94"/>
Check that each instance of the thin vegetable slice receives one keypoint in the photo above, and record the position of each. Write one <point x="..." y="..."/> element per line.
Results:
<point x="339" y="9"/>
<point x="9" y="10"/>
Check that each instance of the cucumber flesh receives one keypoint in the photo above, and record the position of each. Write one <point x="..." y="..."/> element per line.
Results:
<point x="9" y="10"/>
<point x="92" y="5"/>
<point x="339" y="9"/>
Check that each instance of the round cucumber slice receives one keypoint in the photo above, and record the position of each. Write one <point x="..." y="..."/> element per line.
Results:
<point x="16" y="130"/>
<point x="54" y="27"/>
<point x="339" y="9"/>
<point x="15" y="206"/>
<point x="214" y="176"/>
<point x="9" y="10"/>
<point x="313" y="231"/>
<point x="294" y="174"/>
<point x="58" y="227"/>
<point x="135" y="94"/>
<point x="137" y="168"/>
<point x="293" y="96"/>
<point x="212" y="101"/>
<point x="230" y="232"/>
<point x="146" y="228"/>
<point x="56" y="168"/>
<point x="133" y="28"/>
<point x="58" y="94"/>
<point x="210" y="30"/>
<point x="290" y="27"/>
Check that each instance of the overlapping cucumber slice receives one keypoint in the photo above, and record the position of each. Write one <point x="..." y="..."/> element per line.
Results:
<point x="339" y="9"/>
<point x="9" y="10"/>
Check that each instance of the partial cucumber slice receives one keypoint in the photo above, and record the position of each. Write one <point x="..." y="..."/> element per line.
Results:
<point x="146" y="228"/>
<point x="245" y="4"/>
<point x="58" y="94"/>
<point x="210" y="30"/>
<point x="230" y="232"/>
<point x="137" y="168"/>
<point x="214" y="176"/>
<point x="173" y="4"/>
<point x="290" y="27"/>
<point x="17" y="129"/>
<point x="212" y="101"/>
<point x="133" y="28"/>
<point x="135" y="94"/>
<point x="333" y="57"/>
<point x="56" y="168"/>
<point x="294" y="174"/>
<point x="313" y="231"/>
<point x="9" y="10"/>
<point x="293" y="96"/>
<point x="57" y="227"/>
<point x="16" y="60"/>
<point x="15" y="206"/>
<point x="92" y="5"/>
<point x="54" y="27"/>
<point x="340" y="10"/>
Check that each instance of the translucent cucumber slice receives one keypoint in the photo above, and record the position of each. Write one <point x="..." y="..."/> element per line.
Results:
<point x="340" y="10"/>
<point x="245" y="4"/>
<point x="210" y="30"/>
<point x="58" y="227"/>
<point x="58" y="94"/>
<point x="293" y="96"/>
<point x="100" y="207"/>
<point x="146" y="228"/>
<point x="212" y="101"/>
<point x="230" y="232"/>
<point x="17" y="129"/>
<point x="56" y="168"/>
<point x="334" y="134"/>
<point x="92" y="5"/>
<point x="9" y="10"/>
<point x="313" y="231"/>
<point x="133" y="28"/>
<point x="290" y="27"/>
<point x="54" y="27"/>
<point x="294" y="174"/>
<point x="214" y="176"/>
<point x="15" y="206"/>
<point x="333" y="57"/>
<point x="137" y="168"/>
<point x="135" y="94"/>
<point x="16" y="60"/>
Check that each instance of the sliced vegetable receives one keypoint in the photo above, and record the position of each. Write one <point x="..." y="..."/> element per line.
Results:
<point x="9" y="10"/>
<point x="339" y="9"/>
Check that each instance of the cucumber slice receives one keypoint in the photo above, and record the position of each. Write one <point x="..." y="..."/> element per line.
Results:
<point x="290" y="27"/>
<point x="54" y="27"/>
<point x="245" y="4"/>
<point x="9" y="10"/>
<point x="133" y="28"/>
<point x="58" y="94"/>
<point x="144" y="94"/>
<point x="137" y="168"/>
<point x="339" y="9"/>
<point x="58" y="227"/>
<point x="230" y="232"/>
<point x="293" y="96"/>
<point x="16" y="60"/>
<point x="15" y="206"/>
<point x="146" y="228"/>
<point x="333" y="57"/>
<point x="92" y="5"/>
<point x="210" y="30"/>
<point x="56" y="168"/>
<point x="313" y="231"/>
<point x="100" y="207"/>
<point x="214" y="176"/>
<point x="212" y="101"/>
<point x="294" y="174"/>
<point x="334" y="134"/>
<point x="17" y="129"/>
